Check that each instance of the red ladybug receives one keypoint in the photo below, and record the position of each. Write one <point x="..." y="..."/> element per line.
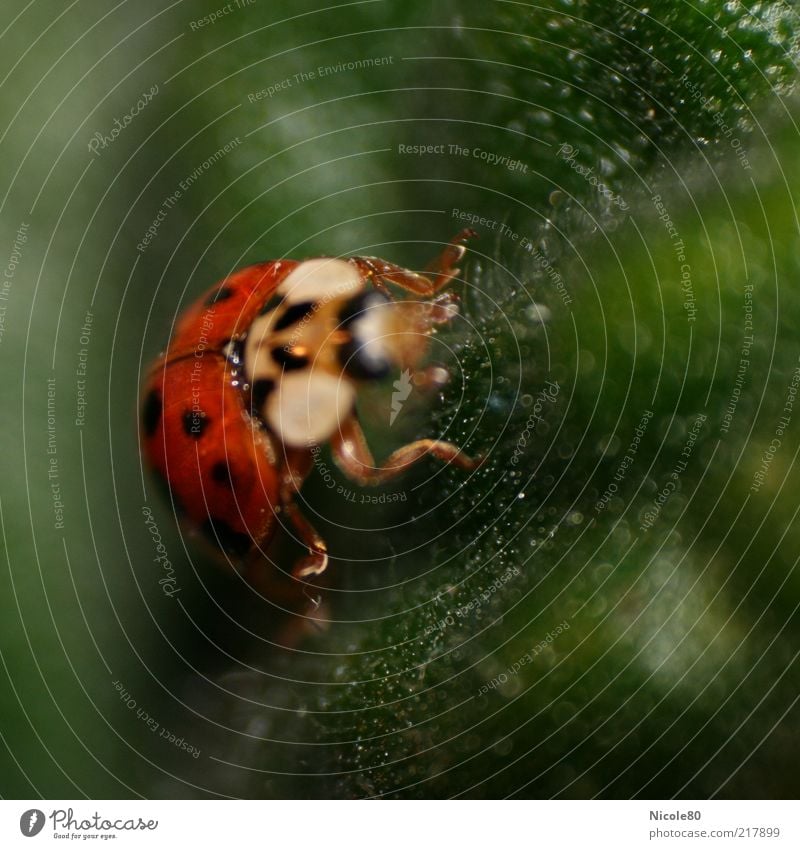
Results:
<point x="265" y="367"/>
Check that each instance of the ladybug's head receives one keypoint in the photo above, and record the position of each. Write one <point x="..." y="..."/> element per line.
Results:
<point x="382" y="335"/>
<point x="325" y="331"/>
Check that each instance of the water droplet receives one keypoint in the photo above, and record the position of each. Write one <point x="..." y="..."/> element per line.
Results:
<point x="538" y="313"/>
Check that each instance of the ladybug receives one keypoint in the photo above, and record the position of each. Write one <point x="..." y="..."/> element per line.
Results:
<point x="265" y="368"/>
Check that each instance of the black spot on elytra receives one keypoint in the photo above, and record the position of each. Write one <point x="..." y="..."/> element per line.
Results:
<point x="293" y="314"/>
<point x="288" y="360"/>
<point x="274" y="302"/>
<point x="151" y="412"/>
<point x="221" y="474"/>
<point x="195" y="423"/>
<point x="221" y="294"/>
<point x="259" y="393"/>
<point x="220" y="533"/>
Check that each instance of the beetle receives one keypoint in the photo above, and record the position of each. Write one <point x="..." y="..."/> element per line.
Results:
<point x="266" y="367"/>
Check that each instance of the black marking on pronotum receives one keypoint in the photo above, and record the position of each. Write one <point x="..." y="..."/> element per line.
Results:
<point x="288" y="360"/>
<point x="274" y="302"/>
<point x="151" y="412"/>
<point x="260" y="391"/>
<point x="194" y="423"/>
<point x="219" y="532"/>
<point x="221" y="294"/>
<point x="356" y="363"/>
<point x="293" y="314"/>
<point x="358" y="305"/>
<point x="221" y="474"/>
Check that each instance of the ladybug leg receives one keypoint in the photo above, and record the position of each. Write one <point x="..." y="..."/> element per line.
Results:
<point x="298" y="465"/>
<point x="352" y="455"/>
<point x="445" y="266"/>
<point x="442" y="269"/>
<point x="379" y="273"/>
<point x="316" y="561"/>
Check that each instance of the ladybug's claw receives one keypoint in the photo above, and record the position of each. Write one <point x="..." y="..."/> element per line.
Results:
<point x="445" y="267"/>
<point x="473" y="462"/>
<point x="351" y="453"/>
<point x="308" y="567"/>
<point x="316" y="561"/>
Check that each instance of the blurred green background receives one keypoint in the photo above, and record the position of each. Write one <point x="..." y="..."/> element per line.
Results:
<point x="609" y="607"/>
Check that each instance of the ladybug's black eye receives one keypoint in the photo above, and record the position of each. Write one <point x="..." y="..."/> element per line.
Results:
<point x="360" y="306"/>
<point x="361" y="361"/>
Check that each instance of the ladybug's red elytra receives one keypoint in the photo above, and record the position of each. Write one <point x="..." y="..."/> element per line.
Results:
<point x="265" y="367"/>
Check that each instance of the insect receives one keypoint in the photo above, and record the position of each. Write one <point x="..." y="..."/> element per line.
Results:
<point x="267" y="366"/>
